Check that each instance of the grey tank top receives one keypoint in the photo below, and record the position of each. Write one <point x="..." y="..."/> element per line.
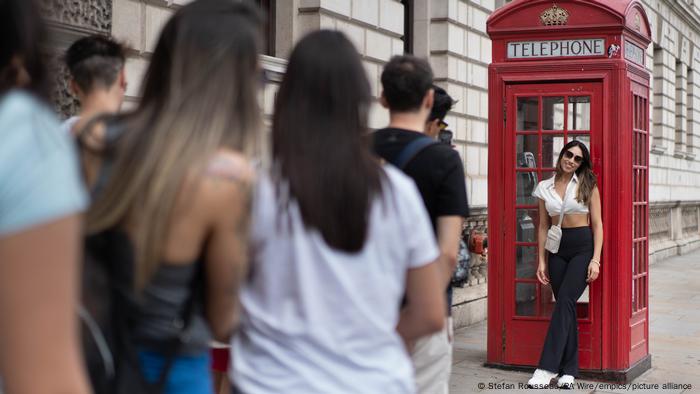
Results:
<point x="161" y="309"/>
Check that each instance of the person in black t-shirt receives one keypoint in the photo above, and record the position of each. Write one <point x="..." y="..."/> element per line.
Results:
<point x="437" y="169"/>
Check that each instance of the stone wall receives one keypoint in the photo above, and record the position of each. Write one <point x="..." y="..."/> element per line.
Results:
<point x="69" y="20"/>
<point x="460" y="52"/>
<point x="674" y="178"/>
<point x="674" y="61"/>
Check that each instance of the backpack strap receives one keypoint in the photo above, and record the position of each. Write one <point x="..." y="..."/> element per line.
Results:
<point x="411" y="150"/>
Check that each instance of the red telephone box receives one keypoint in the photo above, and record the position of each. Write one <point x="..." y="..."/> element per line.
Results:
<point x="562" y="70"/>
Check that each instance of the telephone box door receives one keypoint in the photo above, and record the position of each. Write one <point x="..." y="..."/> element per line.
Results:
<point x="540" y="119"/>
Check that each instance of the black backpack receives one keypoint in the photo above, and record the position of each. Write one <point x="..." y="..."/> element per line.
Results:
<point x="110" y="306"/>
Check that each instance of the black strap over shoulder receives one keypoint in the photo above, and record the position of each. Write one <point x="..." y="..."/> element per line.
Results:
<point x="411" y="150"/>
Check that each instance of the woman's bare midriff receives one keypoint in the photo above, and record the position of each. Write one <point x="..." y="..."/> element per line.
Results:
<point x="572" y="220"/>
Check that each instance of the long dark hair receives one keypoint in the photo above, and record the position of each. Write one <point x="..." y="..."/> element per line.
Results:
<point x="586" y="178"/>
<point x="199" y="95"/>
<point x="320" y="137"/>
<point x="23" y="33"/>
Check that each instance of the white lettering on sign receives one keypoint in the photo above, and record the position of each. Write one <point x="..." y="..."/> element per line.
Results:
<point x="634" y="53"/>
<point x="556" y="48"/>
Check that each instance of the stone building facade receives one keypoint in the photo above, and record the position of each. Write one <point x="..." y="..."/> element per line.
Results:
<point x="452" y="35"/>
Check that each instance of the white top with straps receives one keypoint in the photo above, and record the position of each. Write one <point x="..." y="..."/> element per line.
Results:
<point x="552" y="200"/>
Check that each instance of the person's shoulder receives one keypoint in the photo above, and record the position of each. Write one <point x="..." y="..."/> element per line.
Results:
<point x="547" y="181"/>
<point x="443" y="150"/>
<point x="223" y="186"/>
<point x="396" y="176"/>
<point x="20" y="105"/>
<point x="399" y="182"/>
<point x="18" y="100"/>
<point x="228" y="172"/>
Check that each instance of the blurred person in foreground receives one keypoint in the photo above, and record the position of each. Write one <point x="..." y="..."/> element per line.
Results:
<point x="438" y="172"/>
<point x="41" y="199"/>
<point x="97" y="78"/>
<point x="174" y="178"/>
<point x="337" y="240"/>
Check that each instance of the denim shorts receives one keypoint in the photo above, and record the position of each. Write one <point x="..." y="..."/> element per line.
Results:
<point x="189" y="374"/>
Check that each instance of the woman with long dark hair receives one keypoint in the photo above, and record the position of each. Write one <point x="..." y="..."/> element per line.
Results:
<point x="337" y="240"/>
<point x="573" y="193"/>
<point x="41" y="200"/>
<point x="178" y="184"/>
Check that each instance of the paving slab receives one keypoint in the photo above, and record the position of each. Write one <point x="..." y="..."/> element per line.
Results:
<point x="674" y="333"/>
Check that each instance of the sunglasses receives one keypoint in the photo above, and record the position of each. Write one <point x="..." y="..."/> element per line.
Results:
<point x="570" y="155"/>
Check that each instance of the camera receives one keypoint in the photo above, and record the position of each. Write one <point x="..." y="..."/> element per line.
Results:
<point x="445" y="137"/>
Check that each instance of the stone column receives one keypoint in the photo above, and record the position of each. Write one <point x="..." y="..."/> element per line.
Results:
<point x="681" y="114"/>
<point x="693" y="129"/>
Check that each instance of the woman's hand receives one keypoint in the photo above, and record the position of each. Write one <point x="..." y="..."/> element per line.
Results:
<point x="593" y="271"/>
<point x="542" y="275"/>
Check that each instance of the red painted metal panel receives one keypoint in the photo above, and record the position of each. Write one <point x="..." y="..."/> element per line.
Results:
<point x="613" y="329"/>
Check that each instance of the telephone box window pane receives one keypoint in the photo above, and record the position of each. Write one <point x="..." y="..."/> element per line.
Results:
<point x="525" y="262"/>
<point x="527" y="114"/>
<point x="551" y="146"/>
<point x="553" y="113"/>
<point x="525" y="298"/>
<point x="547" y="175"/>
<point x="580" y="113"/>
<point x="526" y="226"/>
<point x="524" y="186"/>
<point x="585" y="138"/>
<point x="526" y="150"/>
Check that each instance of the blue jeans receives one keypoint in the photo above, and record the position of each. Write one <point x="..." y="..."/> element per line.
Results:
<point x="188" y="374"/>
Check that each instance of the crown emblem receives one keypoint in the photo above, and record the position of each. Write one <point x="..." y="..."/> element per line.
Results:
<point x="554" y="16"/>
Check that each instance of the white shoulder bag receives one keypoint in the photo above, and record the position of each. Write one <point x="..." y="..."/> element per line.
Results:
<point x="554" y="233"/>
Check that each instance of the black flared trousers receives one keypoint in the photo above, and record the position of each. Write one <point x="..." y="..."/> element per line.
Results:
<point x="568" y="270"/>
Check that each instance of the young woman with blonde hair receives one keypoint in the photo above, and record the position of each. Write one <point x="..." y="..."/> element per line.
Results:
<point x="174" y="177"/>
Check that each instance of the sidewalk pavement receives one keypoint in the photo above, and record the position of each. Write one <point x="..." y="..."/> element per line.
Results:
<point x="674" y="331"/>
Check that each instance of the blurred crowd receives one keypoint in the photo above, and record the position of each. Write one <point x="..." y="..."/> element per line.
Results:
<point x="154" y="250"/>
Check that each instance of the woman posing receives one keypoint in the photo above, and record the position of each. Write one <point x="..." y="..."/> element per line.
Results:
<point x="574" y="191"/>
<point x="179" y="183"/>
<point x="337" y="239"/>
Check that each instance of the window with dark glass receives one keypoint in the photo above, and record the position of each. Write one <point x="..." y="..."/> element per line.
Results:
<point x="268" y="8"/>
<point x="407" y="26"/>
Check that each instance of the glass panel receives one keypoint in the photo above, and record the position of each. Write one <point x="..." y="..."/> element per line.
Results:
<point x="527" y="114"/>
<point x="525" y="262"/>
<point x="526" y="150"/>
<point x="553" y="113"/>
<point x="526" y="226"/>
<point x="525" y="296"/>
<point x="551" y="146"/>
<point x="547" y="175"/>
<point x="580" y="113"/>
<point x="584" y="296"/>
<point x="585" y="138"/>
<point x="525" y="184"/>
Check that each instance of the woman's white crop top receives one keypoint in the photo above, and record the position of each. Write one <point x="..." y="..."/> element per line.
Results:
<point x="553" y="202"/>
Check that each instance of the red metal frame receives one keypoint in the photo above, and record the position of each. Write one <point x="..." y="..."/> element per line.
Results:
<point x="526" y="334"/>
<point x="615" y="335"/>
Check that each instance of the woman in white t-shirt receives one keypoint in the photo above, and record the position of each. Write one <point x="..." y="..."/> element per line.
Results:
<point x="573" y="192"/>
<point x="337" y="240"/>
